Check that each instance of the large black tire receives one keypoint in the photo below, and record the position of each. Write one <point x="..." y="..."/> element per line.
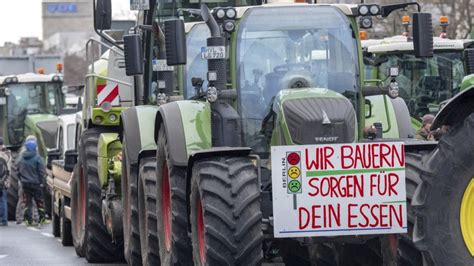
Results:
<point x="47" y="202"/>
<point x="99" y="246"/>
<point x="445" y="175"/>
<point x="147" y="212"/>
<point x="77" y="205"/>
<point x="226" y="217"/>
<point x="54" y="219"/>
<point x="172" y="215"/>
<point x="131" y="230"/>
<point x="12" y="192"/>
<point x="65" y="226"/>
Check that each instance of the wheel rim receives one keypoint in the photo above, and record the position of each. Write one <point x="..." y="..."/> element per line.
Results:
<point x="200" y="232"/>
<point x="166" y="206"/>
<point x="467" y="216"/>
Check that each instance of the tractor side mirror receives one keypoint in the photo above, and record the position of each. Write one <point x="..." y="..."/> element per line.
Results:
<point x="133" y="55"/>
<point x="52" y="155"/>
<point x="175" y="42"/>
<point x="368" y="108"/>
<point x="422" y="35"/>
<point x="103" y="15"/>
<point x="70" y="159"/>
<point x="469" y="60"/>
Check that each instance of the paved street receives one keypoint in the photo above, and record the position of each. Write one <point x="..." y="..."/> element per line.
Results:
<point x="21" y="245"/>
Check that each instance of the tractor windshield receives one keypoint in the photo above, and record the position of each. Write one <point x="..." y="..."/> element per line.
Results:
<point x="30" y="98"/>
<point x="314" y="44"/>
<point x="426" y="82"/>
<point x="35" y="98"/>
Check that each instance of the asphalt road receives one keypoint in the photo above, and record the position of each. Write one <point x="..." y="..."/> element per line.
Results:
<point x="21" y="245"/>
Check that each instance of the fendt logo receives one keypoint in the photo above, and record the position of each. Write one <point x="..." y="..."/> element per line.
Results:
<point x="326" y="139"/>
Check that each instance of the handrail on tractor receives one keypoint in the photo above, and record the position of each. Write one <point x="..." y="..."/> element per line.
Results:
<point x="89" y="61"/>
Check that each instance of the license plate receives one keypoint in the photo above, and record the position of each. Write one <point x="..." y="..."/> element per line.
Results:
<point x="3" y="100"/>
<point x="213" y="52"/>
<point x="160" y="65"/>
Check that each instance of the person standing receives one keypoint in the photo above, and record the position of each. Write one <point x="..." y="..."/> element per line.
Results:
<point x="5" y="167"/>
<point x="20" y="206"/>
<point x="32" y="171"/>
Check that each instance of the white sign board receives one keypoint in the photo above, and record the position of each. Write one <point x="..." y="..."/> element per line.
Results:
<point x="213" y="52"/>
<point x="339" y="189"/>
<point x="3" y="100"/>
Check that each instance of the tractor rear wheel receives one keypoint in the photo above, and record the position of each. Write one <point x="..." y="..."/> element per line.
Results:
<point x="12" y="192"/>
<point x="443" y="202"/>
<point x="99" y="246"/>
<point x="131" y="230"/>
<point x="172" y="215"/>
<point x="147" y="212"/>
<point x="78" y="208"/>
<point x="226" y="217"/>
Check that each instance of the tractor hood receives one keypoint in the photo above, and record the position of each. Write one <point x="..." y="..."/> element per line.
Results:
<point x="314" y="116"/>
<point x="44" y="127"/>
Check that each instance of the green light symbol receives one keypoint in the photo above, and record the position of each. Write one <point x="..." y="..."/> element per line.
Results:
<point x="294" y="186"/>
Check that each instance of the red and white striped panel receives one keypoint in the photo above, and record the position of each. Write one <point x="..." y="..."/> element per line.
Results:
<point x="108" y="93"/>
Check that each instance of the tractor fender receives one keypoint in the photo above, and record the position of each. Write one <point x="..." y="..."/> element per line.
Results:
<point x="457" y="109"/>
<point x="187" y="127"/>
<point x="136" y="127"/>
<point x="208" y="153"/>
<point x="169" y="116"/>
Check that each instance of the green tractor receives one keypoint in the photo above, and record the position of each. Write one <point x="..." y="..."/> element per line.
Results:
<point x="436" y="181"/>
<point x="104" y="214"/>
<point x="270" y="82"/>
<point x="96" y="209"/>
<point x="29" y="105"/>
<point x="425" y="83"/>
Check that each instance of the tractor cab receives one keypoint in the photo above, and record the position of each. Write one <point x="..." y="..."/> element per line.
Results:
<point x="424" y="83"/>
<point x="29" y="105"/>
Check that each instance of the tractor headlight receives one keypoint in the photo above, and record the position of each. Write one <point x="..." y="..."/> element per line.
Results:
<point x="363" y="10"/>
<point x="229" y="26"/>
<point x="98" y="119"/>
<point x="374" y="10"/>
<point x="365" y="22"/>
<point x="220" y="13"/>
<point x="211" y="94"/>
<point x="14" y="80"/>
<point x="55" y="78"/>
<point x="113" y="117"/>
<point x="393" y="89"/>
<point x="7" y="91"/>
<point x="230" y="13"/>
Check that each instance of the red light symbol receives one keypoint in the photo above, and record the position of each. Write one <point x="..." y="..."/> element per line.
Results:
<point x="293" y="158"/>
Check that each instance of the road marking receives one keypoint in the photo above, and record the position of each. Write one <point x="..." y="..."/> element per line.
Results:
<point x="33" y="228"/>
<point x="3" y="256"/>
<point x="47" y="234"/>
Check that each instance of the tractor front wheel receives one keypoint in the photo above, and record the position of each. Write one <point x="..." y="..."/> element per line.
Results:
<point x="172" y="216"/>
<point x="226" y="218"/>
<point x="147" y="212"/>
<point x="131" y="230"/>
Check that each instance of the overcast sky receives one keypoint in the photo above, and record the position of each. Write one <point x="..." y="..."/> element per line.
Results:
<point x="22" y="18"/>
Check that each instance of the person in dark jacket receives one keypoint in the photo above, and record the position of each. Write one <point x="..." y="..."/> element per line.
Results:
<point x="32" y="172"/>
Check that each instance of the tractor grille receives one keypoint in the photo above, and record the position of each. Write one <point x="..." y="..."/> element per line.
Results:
<point x="320" y="120"/>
